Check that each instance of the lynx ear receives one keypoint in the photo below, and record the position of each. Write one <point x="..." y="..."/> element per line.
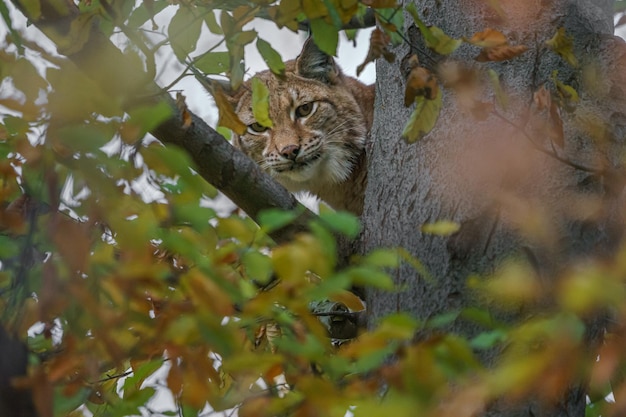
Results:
<point x="315" y="64"/>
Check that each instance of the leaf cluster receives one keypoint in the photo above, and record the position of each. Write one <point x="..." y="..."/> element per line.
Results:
<point x="118" y="269"/>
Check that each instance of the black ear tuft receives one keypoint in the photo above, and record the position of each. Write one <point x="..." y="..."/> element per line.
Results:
<point x="315" y="64"/>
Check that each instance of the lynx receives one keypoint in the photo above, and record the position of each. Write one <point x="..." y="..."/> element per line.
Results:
<point x="321" y="119"/>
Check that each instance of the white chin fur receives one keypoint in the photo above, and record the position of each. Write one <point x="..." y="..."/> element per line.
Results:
<point x="326" y="170"/>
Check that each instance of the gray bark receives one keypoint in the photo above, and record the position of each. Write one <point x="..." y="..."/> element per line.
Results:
<point x="487" y="175"/>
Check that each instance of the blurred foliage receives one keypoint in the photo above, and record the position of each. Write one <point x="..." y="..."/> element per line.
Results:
<point x="120" y="274"/>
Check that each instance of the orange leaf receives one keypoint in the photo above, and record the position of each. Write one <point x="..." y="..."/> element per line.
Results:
<point x="42" y="394"/>
<point x="420" y="82"/>
<point x="175" y="378"/>
<point x="228" y="118"/>
<point x="182" y="106"/>
<point x="488" y="38"/>
<point x="500" y="53"/>
<point x="378" y="47"/>
<point x="273" y="371"/>
<point x="71" y="239"/>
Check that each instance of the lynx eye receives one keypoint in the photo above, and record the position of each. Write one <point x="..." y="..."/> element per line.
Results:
<point x="256" y="128"/>
<point x="305" y="109"/>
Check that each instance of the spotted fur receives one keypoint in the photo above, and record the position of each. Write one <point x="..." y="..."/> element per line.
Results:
<point x="321" y="119"/>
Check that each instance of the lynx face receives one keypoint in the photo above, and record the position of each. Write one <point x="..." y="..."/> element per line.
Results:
<point x="318" y="128"/>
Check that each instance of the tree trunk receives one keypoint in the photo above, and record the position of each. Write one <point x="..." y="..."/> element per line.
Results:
<point x="489" y="176"/>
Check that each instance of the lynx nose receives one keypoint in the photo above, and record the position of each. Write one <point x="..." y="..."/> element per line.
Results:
<point x="290" y="152"/>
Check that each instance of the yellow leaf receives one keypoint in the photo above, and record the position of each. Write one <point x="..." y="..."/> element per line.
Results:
<point x="348" y="299"/>
<point x="260" y="103"/>
<point x="563" y="45"/>
<point x="441" y="228"/>
<point x="423" y="118"/>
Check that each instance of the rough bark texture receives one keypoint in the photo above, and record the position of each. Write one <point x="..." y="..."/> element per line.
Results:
<point x="487" y="175"/>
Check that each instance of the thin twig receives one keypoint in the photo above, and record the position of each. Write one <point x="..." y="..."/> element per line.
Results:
<point x="545" y="151"/>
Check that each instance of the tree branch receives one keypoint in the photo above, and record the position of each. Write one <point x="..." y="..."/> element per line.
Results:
<point x="224" y="166"/>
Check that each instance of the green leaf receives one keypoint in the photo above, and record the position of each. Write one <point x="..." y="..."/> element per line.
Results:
<point x="429" y="37"/>
<point x="142" y="371"/>
<point x="382" y="258"/>
<point x="274" y="219"/>
<point x="487" y="340"/>
<point x="399" y="326"/>
<point x="393" y="24"/>
<point x="8" y="247"/>
<point x="16" y="125"/>
<point x="445" y="45"/>
<point x="328" y="287"/>
<point x="258" y="266"/>
<point x="333" y="13"/>
<point x="142" y="14"/>
<point x="423" y="118"/>
<point x="63" y="405"/>
<point x="342" y="222"/>
<point x="213" y="62"/>
<point x="271" y="57"/>
<point x="441" y="228"/>
<point x="211" y="22"/>
<point x="193" y="214"/>
<point x="325" y="36"/>
<point x="443" y="320"/>
<point x="364" y="276"/>
<point x="15" y="35"/>
<point x="434" y="37"/>
<point x="32" y="8"/>
<point x="27" y="79"/>
<point x="149" y="117"/>
<point x="85" y="138"/>
<point x="261" y="103"/>
<point x="184" y="31"/>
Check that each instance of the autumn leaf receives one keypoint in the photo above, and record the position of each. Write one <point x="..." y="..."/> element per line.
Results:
<point x="228" y="118"/>
<point x="488" y="38"/>
<point x="420" y="82"/>
<point x="260" y="103"/>
<point x="184" y="111"/>
<point x="567" y="95"/>
<point x="500" y="53"/>
<point x="563" y="45"/>
<point x="441" y="228"/>
<point x="434" y="37"/>
<point x="379" y="42"/>
<point x="423" y="118"/>
<point x="443" y="44"/>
